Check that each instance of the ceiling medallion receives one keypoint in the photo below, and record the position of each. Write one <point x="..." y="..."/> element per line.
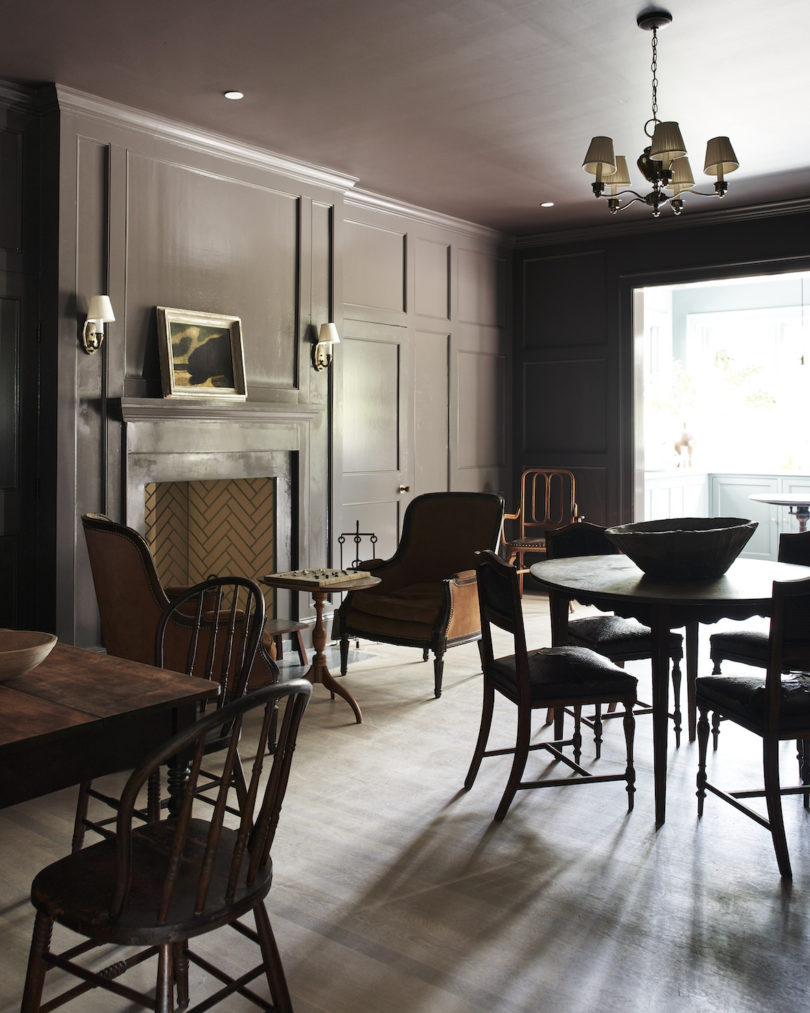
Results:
<point x="663" y="163"/>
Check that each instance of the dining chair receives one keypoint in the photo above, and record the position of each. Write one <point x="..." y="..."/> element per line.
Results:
<point x="555" y="677"/>
<point x="774" y="705"/>
<point x="547" y="500"/>
<point x="158" y="886"/>
<point x="747" y="644"/>
<point x="621" y="640"/>
<point x="212" y="631"/>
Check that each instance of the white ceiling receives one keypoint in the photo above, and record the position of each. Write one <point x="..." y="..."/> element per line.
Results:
<point x="479" y="109"/>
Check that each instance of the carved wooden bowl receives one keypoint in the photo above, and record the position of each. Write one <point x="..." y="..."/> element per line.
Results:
<point x="22" y="650"/>
<point x="683" y="548"/>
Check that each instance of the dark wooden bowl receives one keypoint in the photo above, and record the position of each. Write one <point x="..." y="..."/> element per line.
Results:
<point x="683" y="548"/>
<point x="22" y="650"/>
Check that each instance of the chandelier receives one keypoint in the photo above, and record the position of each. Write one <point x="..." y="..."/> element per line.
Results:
<point x="663" y="163"/>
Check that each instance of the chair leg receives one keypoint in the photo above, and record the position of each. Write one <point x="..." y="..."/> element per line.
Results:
<point x="164" y="991"/>
<point x="597" y="729"/>
<point x="676" y="700"/>
<point x="804" y="767"/>
<point x="278" y="640"/>
<point x="438" y="670"/>
<point x="773" y="800"/>
<point x="703" y="745"/>
<point x="518" y="764"/>
<point x="715" y="729"/>
<point x="344" y="654"/>
<point x="716" y="670"/>
<point x="81" y="815"/>
<point x="629" y="723"/>
<point x="576" y="739"/>
<point x="180" y="959"/>
<point x="35" y="976"/>
<point x="487" y="708"/>
<point x="271" y="959"/>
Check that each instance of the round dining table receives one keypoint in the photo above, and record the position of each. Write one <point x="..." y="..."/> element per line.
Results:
<point x="613" y="583"/>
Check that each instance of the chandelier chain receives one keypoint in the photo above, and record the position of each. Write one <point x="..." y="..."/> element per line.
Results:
<point x="654" y="69"/>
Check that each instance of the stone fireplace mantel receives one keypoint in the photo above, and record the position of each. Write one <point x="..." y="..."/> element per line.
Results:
<point x="167" y="440"/>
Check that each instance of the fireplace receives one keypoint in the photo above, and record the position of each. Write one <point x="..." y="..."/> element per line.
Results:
<point x="180" y="458"/>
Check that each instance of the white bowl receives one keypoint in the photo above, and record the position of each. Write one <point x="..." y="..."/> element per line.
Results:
<point x="22" y="650"/>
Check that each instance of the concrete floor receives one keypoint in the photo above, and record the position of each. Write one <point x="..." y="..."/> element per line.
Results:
<point x="394" y="890"/>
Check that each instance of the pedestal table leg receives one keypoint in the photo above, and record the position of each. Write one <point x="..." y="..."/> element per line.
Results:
<point x="319" y="672"/>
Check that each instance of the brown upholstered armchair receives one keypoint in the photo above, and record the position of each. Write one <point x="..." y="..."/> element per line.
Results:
<point x="428" y="596"/>
<point x="131" y="599"/>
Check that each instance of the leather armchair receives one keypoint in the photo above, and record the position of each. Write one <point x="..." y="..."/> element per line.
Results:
<point x="427" y="596"/>
<point x="131" y="600"/>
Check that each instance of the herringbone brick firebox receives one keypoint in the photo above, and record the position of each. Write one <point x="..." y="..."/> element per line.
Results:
<point x="221" y="527"/>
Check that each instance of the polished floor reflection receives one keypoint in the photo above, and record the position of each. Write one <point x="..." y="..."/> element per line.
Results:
<point x="395" y="892"/>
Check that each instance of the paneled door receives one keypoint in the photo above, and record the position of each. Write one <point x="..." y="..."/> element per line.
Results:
<point x="377" y="460"/>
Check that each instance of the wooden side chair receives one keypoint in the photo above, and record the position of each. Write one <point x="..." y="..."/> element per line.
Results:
<point x="547" y="501"/>
<point x="158" y="886"/>
<point x="557" y="677"/>
<point x="773" y="705"/>
<point x="212" y="631"/>
<point x="618" y="639"/>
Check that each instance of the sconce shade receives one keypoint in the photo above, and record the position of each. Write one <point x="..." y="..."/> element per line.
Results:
<point x="599" y="158"/>
<point x="328" y="335"/>
<point x="720" y="157"/>
<point x="667" y="143"/>
<point x="682" y="178"/>
<point x="100" y="308"/>
<point x="621" y="177"/>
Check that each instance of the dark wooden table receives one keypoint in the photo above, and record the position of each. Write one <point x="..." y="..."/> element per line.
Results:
<point x="82" y="714"/>
<point x="319" y="670"/>
<point x="615" y="584"/>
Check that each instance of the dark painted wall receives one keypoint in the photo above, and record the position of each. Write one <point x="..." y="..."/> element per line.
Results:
<point x="574" y="353"/>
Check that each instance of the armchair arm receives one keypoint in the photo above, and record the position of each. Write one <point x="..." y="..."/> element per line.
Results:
<point x="465" y="618"/>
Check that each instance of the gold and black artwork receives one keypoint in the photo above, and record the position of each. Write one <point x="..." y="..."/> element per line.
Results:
<point x="201" y="354"/>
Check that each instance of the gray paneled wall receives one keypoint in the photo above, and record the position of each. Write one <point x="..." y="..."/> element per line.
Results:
<point x="155" y="213"/>
<point x="424" y="371"/>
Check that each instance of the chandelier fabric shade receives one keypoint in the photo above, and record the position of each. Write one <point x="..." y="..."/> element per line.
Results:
<point x="599" y="158"/>
<point x="663" y="162"/>
<point x="720" y="158"/>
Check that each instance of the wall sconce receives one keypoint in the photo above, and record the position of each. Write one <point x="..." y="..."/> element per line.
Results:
<point x="322" y="350"/>
<point x="99" y="313"/>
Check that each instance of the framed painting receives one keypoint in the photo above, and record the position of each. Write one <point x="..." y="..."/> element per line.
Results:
<point x="201" y="354"/>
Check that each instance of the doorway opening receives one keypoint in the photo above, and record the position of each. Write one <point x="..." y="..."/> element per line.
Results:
<point x="726" y="374"/>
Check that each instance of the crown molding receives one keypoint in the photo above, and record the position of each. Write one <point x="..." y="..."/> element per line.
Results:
<point x="800" y="205"/>
<point x="367" y="199"/>
<point x="81" y="103"/>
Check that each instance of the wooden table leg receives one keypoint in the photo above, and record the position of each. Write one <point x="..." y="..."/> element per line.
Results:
<point x="319" y="671"/>
<point x="660" y="707"/>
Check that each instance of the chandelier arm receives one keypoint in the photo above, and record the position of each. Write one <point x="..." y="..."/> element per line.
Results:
<point x="620" y="193"/>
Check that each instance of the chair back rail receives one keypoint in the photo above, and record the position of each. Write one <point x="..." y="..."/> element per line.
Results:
<point x="259" y="816"/>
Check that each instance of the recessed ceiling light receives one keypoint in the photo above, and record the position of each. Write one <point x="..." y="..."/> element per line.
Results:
<point x="547" y="204"/>
<point x="234" y="96"/>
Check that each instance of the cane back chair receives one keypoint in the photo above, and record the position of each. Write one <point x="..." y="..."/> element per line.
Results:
<point x="547" y="501"/>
